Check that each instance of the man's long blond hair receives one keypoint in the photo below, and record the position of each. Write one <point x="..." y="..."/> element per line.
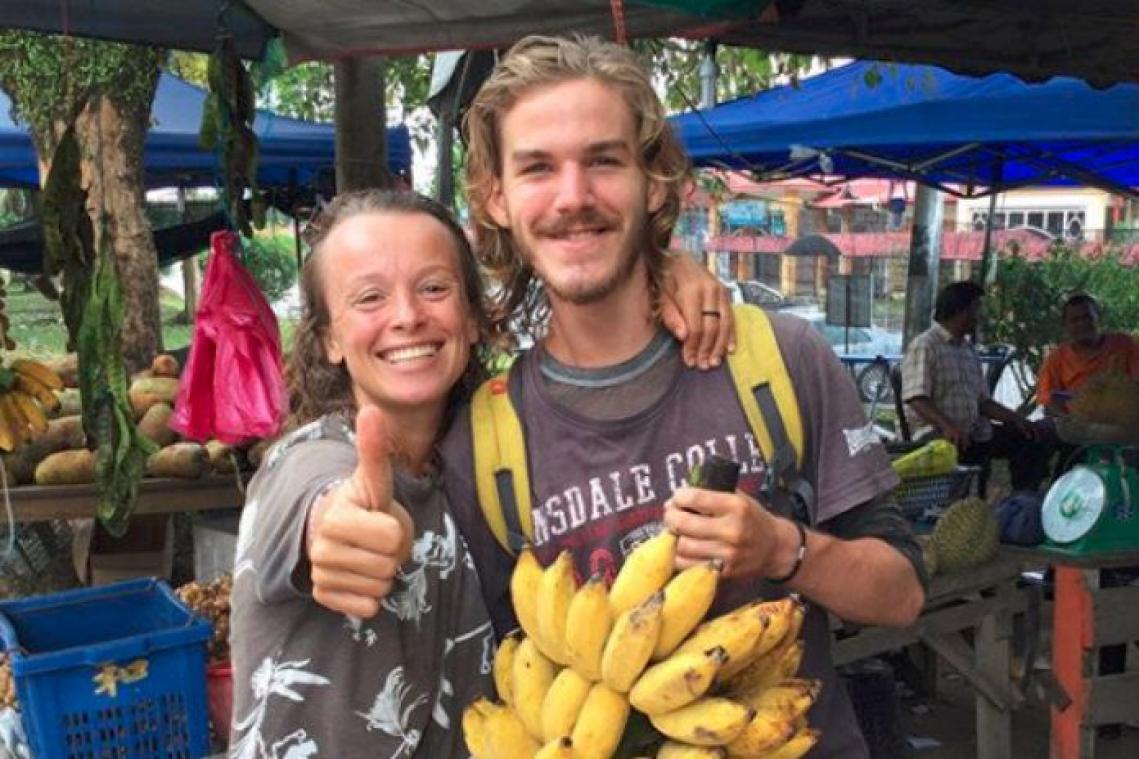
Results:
<point x="536" y="62"/>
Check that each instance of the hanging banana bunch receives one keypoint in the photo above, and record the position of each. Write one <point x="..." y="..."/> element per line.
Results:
<point x="589" y="663"/>
<point x="227" y="123"/>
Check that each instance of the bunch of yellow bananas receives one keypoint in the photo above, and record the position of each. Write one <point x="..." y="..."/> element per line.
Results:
<point x="27" y="395"/>
<point x="588" y="655"/>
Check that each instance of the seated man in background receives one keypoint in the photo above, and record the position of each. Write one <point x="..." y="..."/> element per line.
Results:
<point x="1087" y="352"/>
<point x="946" y="395"/>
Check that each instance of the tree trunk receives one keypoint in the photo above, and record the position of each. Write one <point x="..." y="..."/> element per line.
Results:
<point x="191" y="287"/>
<point x="361" y="140"/>
<point x="191" y="277"/>
<point x="112" y="136"/>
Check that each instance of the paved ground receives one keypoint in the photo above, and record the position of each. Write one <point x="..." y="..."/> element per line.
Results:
<point x="949" y="719"/>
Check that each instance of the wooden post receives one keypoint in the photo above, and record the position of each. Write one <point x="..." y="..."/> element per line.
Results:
<point x="994" y="726"/>
<point x="1073" y="657"/>
<point x="925" y="254"/>
<point x="361" y="144"/>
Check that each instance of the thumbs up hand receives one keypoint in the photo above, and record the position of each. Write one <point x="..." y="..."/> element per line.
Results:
<point x="358" y="535"/>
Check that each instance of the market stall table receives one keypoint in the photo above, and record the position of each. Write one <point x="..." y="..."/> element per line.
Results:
<point x="1085" y="618"/>
<point x="41" y="503"/>
<point x="981" y="600"/>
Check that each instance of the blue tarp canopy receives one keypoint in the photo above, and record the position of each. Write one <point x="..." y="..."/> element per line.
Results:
<point x="966" y="135"/>
<point x="174" y="158"/>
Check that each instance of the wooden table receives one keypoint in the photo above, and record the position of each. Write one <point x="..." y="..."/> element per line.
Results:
<point x="1085" y="618"/>
<point x="982" y="600"/>
<point x="41" y="503"/>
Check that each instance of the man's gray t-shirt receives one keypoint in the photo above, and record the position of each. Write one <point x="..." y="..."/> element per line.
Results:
<point x="599" y="483"/>
<point x="311" y="682"/>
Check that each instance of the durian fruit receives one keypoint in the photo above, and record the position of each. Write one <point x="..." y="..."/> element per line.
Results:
<point x="966" y="535"/>
<point x="1109" y="397"/>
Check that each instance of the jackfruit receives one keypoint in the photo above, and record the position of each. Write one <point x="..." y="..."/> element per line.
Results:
<point x="966" y="535"/>
<point x="934" y="458"/>
<point x="1110" y="397"/>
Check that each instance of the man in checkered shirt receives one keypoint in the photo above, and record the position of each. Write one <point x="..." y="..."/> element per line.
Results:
<point x="946" y="394"/>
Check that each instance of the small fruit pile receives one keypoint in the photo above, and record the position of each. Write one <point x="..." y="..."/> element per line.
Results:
<point x="589" y="656"/>
<point x="937" y="457"/>
<point x="211" y="601"/>
<point x="1110" y="398"/>
<point x="44" y="442"/>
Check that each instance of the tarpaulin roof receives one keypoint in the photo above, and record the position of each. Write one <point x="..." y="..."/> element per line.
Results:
<point x="288" y="147"/>
<point x="181" y="24"/>
<point x="964" y="134"/>
<point x="1098" y="41"/>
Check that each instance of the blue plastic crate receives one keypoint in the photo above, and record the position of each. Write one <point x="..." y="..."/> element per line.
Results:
<point x="117" y="671"/>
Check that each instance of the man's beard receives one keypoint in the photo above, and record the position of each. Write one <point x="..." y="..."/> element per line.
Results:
<point x="587" y="293"/>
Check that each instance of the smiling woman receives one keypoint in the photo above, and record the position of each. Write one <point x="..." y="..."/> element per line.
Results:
<point x="346" y="514"/>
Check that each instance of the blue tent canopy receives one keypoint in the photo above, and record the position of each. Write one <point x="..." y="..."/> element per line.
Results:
<point x="289" y="147"/>
<point x="966" y="135"/>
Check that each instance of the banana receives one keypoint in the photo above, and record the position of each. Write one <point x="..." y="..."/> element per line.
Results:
<point x="631" y="643"/>
<point x="554" y="595"/>
<point x="507" y="737"/>
<point x="710" y="721"/>
<point x="675" y="750"/>
<point x="791" y="699"/>
<point x="30" y="410"/>
<point x="13" y="418"/>
<point x="10" y="436"/>
<point x="588" y="622"/>
<point x="687" y="598"/>
<point x="47" y="398"/>
<point x="474" y="732"/>
<point x="600" y="724"/>
<point x="766" y="731"/>
<point x="676" y="681"/>
<point x="800" y="744"/>
<point x="525" y="587"/>
<point x="736" y="631"/>
<point x="781" y="617"/>
<point x="558" y="748"/>
<point x="533" y="675"/>
<point x="37" y="372"/>
<point x="772" y="669"/>
<point x="562" y="704"/>
<point x="504" y="666"/>
<point x="646" y="570"/>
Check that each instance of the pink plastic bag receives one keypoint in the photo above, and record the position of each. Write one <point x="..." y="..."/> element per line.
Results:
<point x="232" y="387"/>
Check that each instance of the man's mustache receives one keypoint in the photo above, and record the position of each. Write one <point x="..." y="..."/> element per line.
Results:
<point x="567" y="224"/>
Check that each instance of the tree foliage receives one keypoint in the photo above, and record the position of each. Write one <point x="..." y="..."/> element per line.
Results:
<point x="1024" y="308"/>
<point x="675" y="66"/>
<point x="272" y="260"/>
<point x="50" y="78"/>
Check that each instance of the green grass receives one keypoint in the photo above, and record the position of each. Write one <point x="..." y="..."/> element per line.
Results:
<point x="36" y="324"/>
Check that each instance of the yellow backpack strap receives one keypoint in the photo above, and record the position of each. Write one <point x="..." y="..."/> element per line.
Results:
<point x="502" y="478"/>
<point x="769" y="402"/>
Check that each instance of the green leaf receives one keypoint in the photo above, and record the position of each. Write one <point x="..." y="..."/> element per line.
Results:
<point x="208" y="132"/>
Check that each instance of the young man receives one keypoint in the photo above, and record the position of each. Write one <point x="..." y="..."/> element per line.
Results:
<point x="574" y="180"/>
<point x="946" y="394"/>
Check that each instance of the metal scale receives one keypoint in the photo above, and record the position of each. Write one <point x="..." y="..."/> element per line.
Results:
<point x="1094" y="507"/>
